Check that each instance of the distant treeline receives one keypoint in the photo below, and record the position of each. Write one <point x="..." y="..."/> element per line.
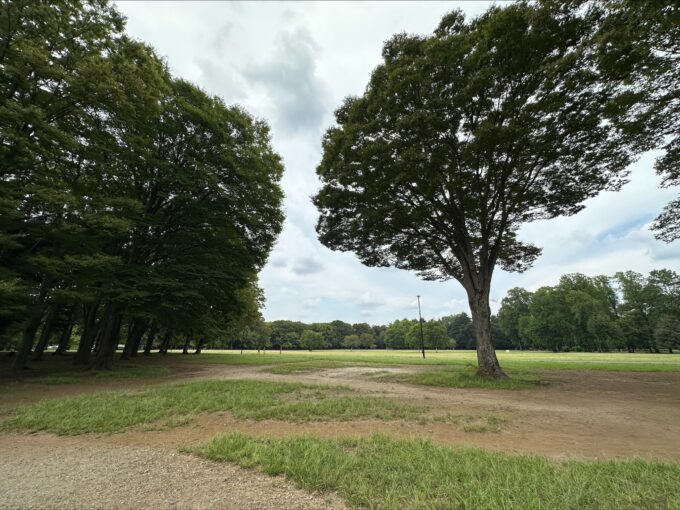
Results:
<point x="627" y="311"/>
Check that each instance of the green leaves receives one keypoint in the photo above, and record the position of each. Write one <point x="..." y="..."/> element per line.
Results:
<point x="121" y="183"/>
<point x="463" y="136"/>
<point x="636" y="48"/>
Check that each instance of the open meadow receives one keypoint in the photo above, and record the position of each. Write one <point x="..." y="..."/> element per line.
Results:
<point x="339" y="429"/>
<point x="339" y="255"/>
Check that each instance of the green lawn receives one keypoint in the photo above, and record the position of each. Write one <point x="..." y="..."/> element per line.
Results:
<point x="60" y="370"/>
<point x="383" y="473"/>
<point x="637" y="362"/>
<point x="313" y="365"/>
<point x="120" y="371"/>
<point x="466" y="377"/>
<point x="176" y="404"/>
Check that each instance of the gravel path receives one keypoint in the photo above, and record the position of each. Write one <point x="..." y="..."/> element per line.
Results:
<point x="47" y="472"/>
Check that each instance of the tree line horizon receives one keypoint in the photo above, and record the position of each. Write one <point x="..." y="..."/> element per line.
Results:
<point x="136" y="205"/>
<point x="624" y="312"/>
<point x="627" y="312"/>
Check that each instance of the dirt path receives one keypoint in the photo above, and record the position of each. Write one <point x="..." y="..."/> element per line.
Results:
<point x="588" y="414"/>
<point x="579" y="414"/>
<point x="582" y="414"/>
<point x="42" y="471"/>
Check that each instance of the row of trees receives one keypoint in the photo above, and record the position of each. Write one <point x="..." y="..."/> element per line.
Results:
<point x="454" y="331"/>
<point x="285" y="334"/>
<point x="133" y="205"/>
<point x="628" y="311"/>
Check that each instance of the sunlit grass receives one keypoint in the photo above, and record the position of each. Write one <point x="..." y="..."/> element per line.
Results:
<point x="384" y="473"/>
<point x="466" y="377"/>
<point x="178" y="403"/>
<point x="301" y="367"/>
<point x="638" y="362"/>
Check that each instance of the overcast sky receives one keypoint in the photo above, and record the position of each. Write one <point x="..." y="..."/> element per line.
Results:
<point x="292" y="64"/>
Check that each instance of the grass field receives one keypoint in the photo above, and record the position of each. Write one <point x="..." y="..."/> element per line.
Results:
<point x="466" y="377"/>
<point x="387" y="429"/>
<point x="58" y="371"/>
<point x="379" y="472"/>
<point x="636" y="362"/>
<point x="178" y="403"/>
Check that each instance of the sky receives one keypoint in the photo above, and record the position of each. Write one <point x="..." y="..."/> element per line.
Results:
<point x="292" y="64"/>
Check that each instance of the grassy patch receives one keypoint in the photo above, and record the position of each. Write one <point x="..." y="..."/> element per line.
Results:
<point x="175" y="404"/>
<point x="379" y="472"/>
<point x="300" y="367"/>
<point x="59" y="370"/>
<point x="465" y="377"/>
<point x="119" y="372"/>
<point x="473" y="423"/>
<point x="486" y="424"/>
<point x="636" y="362"/>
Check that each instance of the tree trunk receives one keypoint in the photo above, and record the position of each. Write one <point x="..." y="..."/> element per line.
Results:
<point x="150" y="338"/>
<point x="481" y="321"/>
<point x="65" y="339"/>
<point x="185" y="349"/>
<point x="138" y="338"/>
<point x="109" y="339"/>
<point x="98" y="337"/>
<point x="199" y="345"/>
<point x="135" y="332"/>
<point x="88" y="335"/>
<point x="46" y="333"/>
<point x="165" y="343"/>
<point x="32" y="324"/>
<point x="128" y="339"/>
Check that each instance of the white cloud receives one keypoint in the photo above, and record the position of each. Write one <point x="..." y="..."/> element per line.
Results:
<point x="292" y="64"/>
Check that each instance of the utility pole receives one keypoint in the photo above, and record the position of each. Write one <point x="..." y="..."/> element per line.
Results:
<point x="420" y="319"/>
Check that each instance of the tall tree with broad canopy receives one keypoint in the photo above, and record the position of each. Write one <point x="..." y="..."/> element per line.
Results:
<point x="136" y="199"/>
<point x="459" y="139"/>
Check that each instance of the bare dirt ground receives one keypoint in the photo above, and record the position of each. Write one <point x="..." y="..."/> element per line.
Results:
<point x="579" y="414"/>
<point x="44" y="472"/>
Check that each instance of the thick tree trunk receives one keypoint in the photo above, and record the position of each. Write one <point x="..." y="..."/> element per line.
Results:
<point x="110" y="332"/>
<point x="481" y="321"/>
<point x="88" y="335"/>
<point x="35" y="314"/>
<point x="185" y="349"/>
<point x="46" y="333"/>
<point x="65" y="339"/>
<point x="165" y="344"/>
<point x="98" y="337"/>
<point x="128" y="340"/>
<point x="150" y="338"/>
<point x="135" y="333"/>
<point x="199" y="345"/>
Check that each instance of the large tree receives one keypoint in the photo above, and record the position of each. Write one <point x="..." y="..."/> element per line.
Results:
<point x="460" y="138"/>
<point x="55" y="80"/>
<point x="129" y="200"/>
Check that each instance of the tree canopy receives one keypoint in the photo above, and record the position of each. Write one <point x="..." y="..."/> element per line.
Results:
<point x="627" y="311"/>
<point x="637" y="48"/>
<point x="463" y="136"/>
<point x="132" y="201"/>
